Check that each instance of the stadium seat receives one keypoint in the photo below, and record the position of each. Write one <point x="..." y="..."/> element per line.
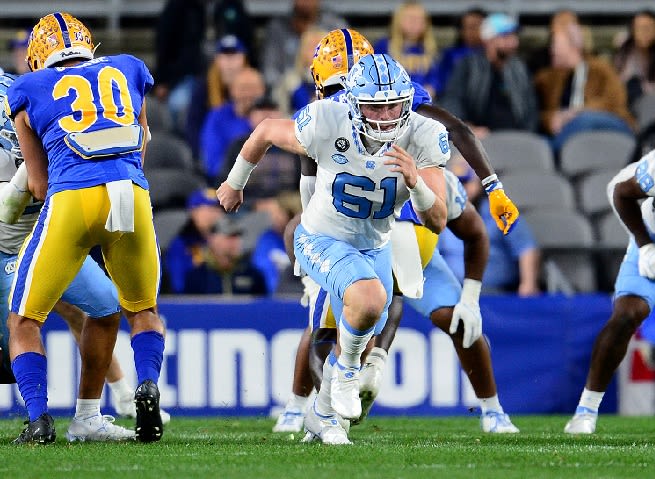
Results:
<point x="159" y="118"/>
<point x="165" y="151"/>
<point x="644" y="108"/>
<point x="511" y="150"/>
<point x="592" y="151"/>
<point x="563" y="237"/>
<point x="170" y="189"/>
<point x="613" y="237"/>
<point x="168" y="224"/>
<point x="539" y="190"/>
<point x="591" y="191"/>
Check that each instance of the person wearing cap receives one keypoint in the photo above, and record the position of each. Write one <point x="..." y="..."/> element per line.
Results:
<point x="212" y="89"/>
<point x="492" y="89"/>
<point x="18" y="48"/>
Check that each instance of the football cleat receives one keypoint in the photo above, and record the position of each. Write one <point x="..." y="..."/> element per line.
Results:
<point x="149" y="425"/>
<point x="125" y="407"/>
<point x="497" y="423"/>
<point x="370" y="380"/>
<point x="289" y="420"/>
<point x="98" y="428"/>
<point x="326" y="429"/>
<point x="345" y="392"/>
<point x="40" y="431"/>
<point x="58" y="36"/>
<point x="582" y="422"/>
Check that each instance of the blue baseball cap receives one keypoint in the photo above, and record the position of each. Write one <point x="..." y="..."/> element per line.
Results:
<point x="203" y="196"/>
<point x="496" y="25"/>
<point x="230" y="44"/>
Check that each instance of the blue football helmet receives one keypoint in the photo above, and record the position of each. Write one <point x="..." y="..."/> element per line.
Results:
<point x="8" y="138"/>
<point x="379" y="79"/>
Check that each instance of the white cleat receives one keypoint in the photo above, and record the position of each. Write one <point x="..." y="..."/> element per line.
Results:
<point x="98" y="428"/>
<point x="495" y="422"/>
<point x="326" y="429"/>
<point x="125" y="407"/>
<point x="345" y="392"/>
<point x="370" y="380"/>
<point x="289" y="420"/>
<point x="582" y="422"/>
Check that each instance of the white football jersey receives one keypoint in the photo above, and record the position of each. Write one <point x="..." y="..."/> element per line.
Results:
<point x="644" y="171"/>
<point x="12" y="236"/>
<point x="356" y="197"/>
<point x="455" y="195"/>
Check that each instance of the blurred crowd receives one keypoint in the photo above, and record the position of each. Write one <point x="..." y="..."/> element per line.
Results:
<point x="204" y="106"/>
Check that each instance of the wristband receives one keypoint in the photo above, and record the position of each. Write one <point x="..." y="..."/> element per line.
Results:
<point x="240" y="173"/>
<point x="422" y="196"/>
<point x="471" y="291"/>
<point x="491" y="183"/>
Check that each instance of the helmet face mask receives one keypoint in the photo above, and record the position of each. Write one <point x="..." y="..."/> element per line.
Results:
<point x="58" y="37"/>
<point x="8" y="138"/>
<point x="334" y="56"/>
<point x="379" y="80"/>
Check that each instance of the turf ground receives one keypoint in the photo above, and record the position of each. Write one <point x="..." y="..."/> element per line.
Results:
<point x="384" y="448"/>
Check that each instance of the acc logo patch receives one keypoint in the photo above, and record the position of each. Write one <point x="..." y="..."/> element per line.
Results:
<point x="341" y="144"/>
<point x="10" y="267"/>
<point x="340" y="159"/>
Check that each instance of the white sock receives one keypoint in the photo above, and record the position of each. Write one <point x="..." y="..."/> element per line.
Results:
<point x="591" y="399"/>
<point x="86" y="408"/>
<point x="121" y="388"/>
<point x="377" y="354"/>
<point x="296" y="403"/>
<point x="353" y="343"/>
<point x="324" y="396"/>
<point x="490" y="404"/>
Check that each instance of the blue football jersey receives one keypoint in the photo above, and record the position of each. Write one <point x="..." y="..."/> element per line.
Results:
<point x="74" y="109"/>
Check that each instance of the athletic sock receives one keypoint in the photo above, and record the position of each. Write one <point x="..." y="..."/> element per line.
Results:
<point x="31" y="373"/>
<point x="148" y="350"/>
<point x="86" y="408"/>
<point x="121" y="388"/>
<point x="490" y="404"/>
<point x="323" y="402"/>
<point x="591" y="399"/>
<point x="353" y="343"/>
<point x="296" y="403"/>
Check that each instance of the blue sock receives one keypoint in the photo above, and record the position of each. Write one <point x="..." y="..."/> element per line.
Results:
<point x="148" y="350"/>
<point x="31" y="372"/>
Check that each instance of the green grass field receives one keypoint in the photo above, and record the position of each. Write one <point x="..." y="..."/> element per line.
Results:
<point x="384" y="448"/>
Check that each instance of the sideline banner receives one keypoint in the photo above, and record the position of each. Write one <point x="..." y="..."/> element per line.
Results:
<point x="235" y="357"/>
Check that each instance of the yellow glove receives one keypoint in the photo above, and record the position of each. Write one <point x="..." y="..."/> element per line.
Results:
<point x="502" y="209"/>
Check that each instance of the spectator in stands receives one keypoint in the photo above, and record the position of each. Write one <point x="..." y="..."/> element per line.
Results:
<point x="211" y="90"/>
<point x="579" y="93"/>
<point x="468" y="41"/>
<point x="179" y="55"/>
<point x="269" y="256"/>
<point x="411" y="42"/>
<point x="281" y="170"/>
<point x="231" y="18"/>
<point x="229" y="121"/>
<point x="492" y="90"/>
<point x="514" y="259"/>
<point x="635" y="58"/>
<point x="282" y="36"/>
<point x="296" y="89"/>
<point x="18" y="48"/>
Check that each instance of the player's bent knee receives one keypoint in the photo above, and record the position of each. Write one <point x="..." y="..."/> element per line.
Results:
<point x="629" y="312"/>
<point x="441" y="318"/>
<point x="367" y="298"/>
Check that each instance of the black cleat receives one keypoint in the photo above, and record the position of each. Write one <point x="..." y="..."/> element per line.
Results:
<point x="39" y="431"/>
<point x="149" y="427"/>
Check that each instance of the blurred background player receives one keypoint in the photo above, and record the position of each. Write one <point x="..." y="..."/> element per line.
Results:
<point x="334" y="56"/>
<point x="61" y="124"/>
<point x="634" y="293"/>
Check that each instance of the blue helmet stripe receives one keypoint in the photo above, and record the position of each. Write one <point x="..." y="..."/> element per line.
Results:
<point x="349" y="47"/>
<point x="382" y="67"/>
<point x="64" y="29"/>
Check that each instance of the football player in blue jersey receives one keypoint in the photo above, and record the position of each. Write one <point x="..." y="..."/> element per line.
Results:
<point x="334" y="55"/>
<point x="82" y="127"/>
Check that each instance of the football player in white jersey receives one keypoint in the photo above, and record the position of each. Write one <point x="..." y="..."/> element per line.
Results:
<point x="373" y="154"/>
<point x="334" y="55"/>
<point x="634" y="289"/>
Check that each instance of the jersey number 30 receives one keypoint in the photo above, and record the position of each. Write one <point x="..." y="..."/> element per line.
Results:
<point x="364" y="206"/>
<point x="85" y="109"/>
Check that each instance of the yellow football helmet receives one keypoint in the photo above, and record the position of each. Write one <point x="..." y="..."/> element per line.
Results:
<point x="335" y="55"/>
<point x="57" y="37"/>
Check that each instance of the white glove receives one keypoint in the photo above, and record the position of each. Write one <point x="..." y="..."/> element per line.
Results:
<point x="647" y="260"/>
<point x="468" y="311"/>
